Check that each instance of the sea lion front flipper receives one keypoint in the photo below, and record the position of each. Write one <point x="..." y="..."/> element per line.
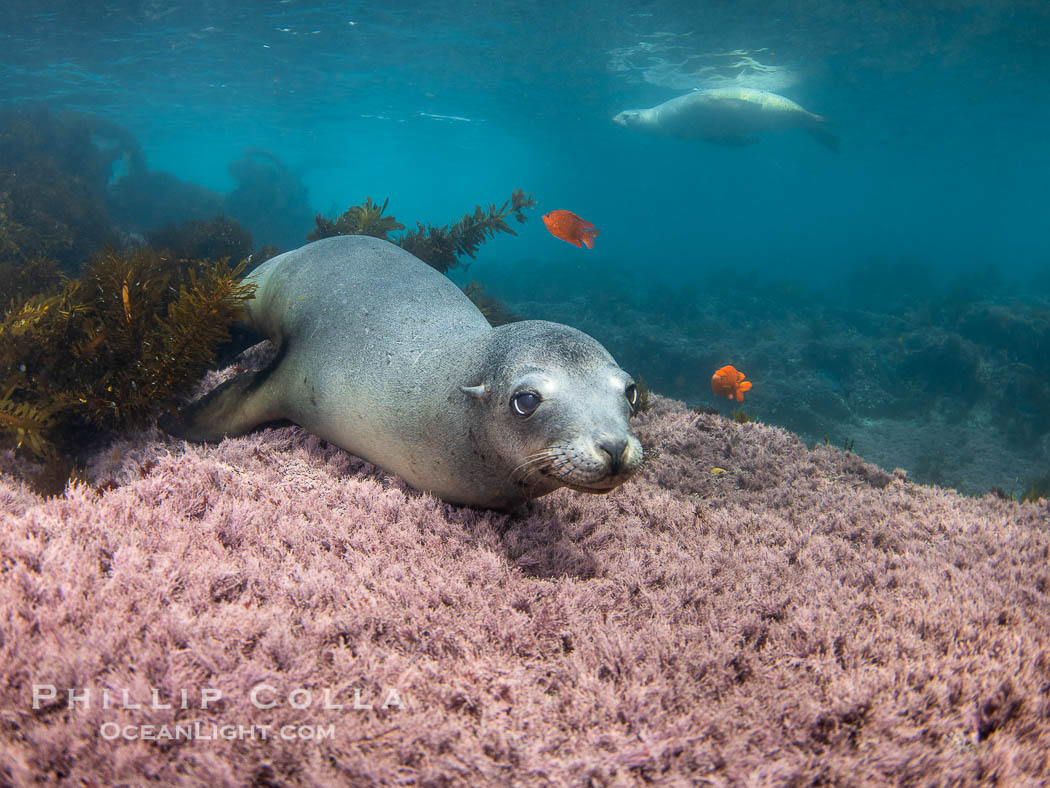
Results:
<point x="232" y="409"/>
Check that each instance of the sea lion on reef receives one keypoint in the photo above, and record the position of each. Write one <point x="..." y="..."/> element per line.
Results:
<point x="384" y="356"/>
<point x="727" y="116"/>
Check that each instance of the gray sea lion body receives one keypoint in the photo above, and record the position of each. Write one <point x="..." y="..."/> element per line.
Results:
<point x="727" y="116"/>
<point x="384" y="356"/>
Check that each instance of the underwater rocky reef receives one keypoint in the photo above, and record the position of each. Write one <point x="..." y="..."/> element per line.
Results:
<point x="72" y="182"/>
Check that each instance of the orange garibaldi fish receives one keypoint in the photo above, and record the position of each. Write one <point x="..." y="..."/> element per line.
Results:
<point x="569" y="227"/>
<point x="729" y="382"/>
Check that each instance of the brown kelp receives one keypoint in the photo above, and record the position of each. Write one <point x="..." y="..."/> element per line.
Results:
<point x="439" y="246"/>
<point x="111" y="348"/>
<point x="364" y="219"/>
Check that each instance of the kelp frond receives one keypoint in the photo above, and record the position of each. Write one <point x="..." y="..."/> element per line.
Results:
<point x="364" y="219"/>
<point x="196" y="324"/>
<point x="26" y="426"/>
<point x="438" y="246"/>
<point x="441" y="247"/>
<point x="126" y="292"/>
<point x="519" y="203"/>
<point x="113" y="347"/>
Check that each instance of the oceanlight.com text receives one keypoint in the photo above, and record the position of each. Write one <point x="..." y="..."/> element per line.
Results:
<point x="209" y="731"/>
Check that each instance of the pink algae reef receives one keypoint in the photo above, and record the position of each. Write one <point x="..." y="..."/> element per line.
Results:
<point x="802" y="618"/>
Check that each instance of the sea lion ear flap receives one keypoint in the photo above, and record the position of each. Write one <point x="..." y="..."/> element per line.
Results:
<point x="478" y="392"/>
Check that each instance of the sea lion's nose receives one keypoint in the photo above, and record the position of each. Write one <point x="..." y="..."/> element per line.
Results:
<point x="616" y="448"/>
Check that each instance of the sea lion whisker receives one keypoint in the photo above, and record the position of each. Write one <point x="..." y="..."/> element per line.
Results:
<point x="533" y="459"/>
<point x="532" y="465"/>
<point x="528" y="476"/>
<point x="556" y="468"/>
<point x="539" y="463"/>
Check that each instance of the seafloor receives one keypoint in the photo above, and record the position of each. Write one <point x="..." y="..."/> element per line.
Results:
<point x="803" y="618"/>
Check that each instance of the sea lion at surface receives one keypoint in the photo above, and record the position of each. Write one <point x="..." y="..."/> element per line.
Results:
<point x="727" y="116"/>
<point x="384" y="356"/>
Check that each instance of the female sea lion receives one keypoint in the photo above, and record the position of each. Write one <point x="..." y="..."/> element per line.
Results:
<point x="384" y="356"/>
<point x="727" y="116"/>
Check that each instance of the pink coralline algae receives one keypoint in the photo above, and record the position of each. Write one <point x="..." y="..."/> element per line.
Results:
<point x="802" y="618"/>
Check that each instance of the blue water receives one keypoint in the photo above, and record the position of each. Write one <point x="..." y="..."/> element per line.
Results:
<point x="941" y="108"/>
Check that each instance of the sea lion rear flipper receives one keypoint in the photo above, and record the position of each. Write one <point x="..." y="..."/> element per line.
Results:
<point x="820" y="131"/>
<point x="231" y="409"/>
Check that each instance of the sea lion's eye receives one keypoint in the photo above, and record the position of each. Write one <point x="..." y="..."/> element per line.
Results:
<point x="525" y="402"/>
<point x="631" y="392"/>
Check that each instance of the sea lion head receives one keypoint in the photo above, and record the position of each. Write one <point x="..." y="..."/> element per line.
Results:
<point x="557" y="410"/>
<point x="631" y="118"/>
